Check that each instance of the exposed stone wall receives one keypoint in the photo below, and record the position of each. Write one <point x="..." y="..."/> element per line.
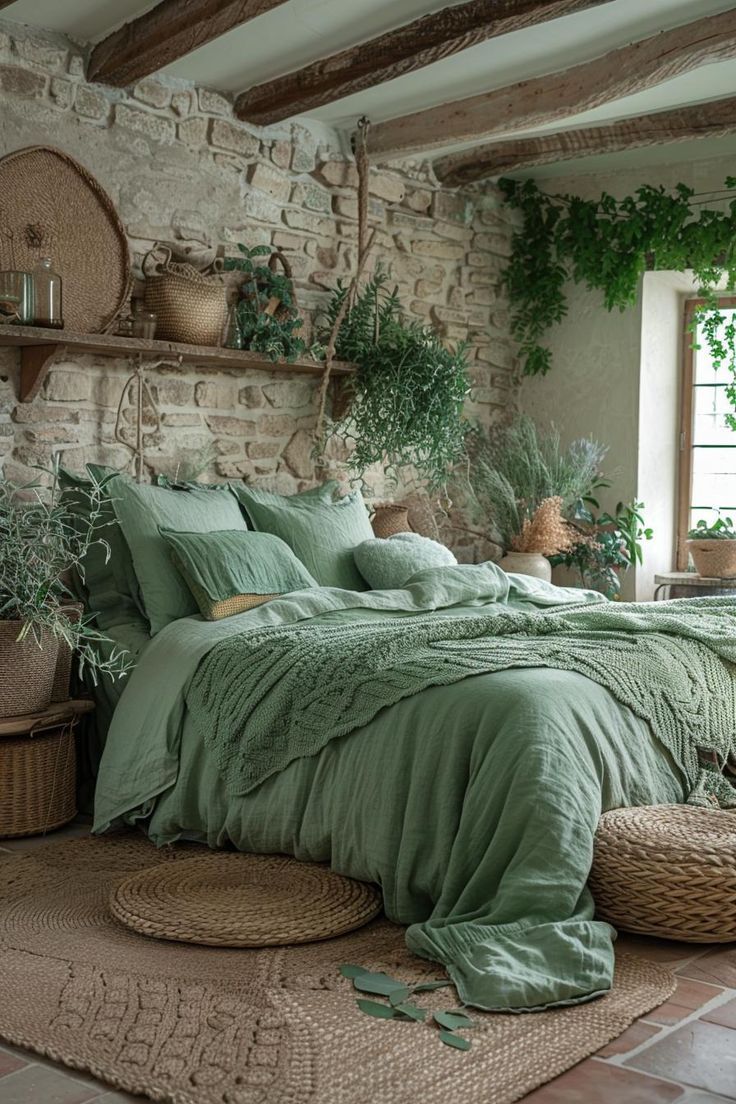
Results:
<point x="179" y="167"/>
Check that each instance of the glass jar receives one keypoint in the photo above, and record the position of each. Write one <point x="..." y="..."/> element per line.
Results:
<point x="16" y="298"/>
<point x="47" y="296"/>
<point x="233" y="333"/>
<point x="144" y="321"/>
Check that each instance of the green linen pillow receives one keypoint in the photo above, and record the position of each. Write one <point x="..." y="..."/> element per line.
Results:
<point x="109" y="588"/>
<point x="142" y="509"/>
<point x="320" y="529"/>
<point x="232" y="571"/>
<point x="389" y="564"/>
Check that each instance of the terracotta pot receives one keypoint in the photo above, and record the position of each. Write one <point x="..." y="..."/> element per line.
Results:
<point x="714" y="559"/>
<point x="527" y="563"/>
<point x="26" y="670"/>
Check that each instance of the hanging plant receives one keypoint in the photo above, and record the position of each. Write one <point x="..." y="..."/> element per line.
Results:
<point x="407" y="395"/>
<point x="607" y="244"/>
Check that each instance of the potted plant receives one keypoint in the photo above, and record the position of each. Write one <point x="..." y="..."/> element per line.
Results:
<point x="405" y="401"/>
<point x="713" y="549"/>
<point x="606" y="545"/>
<point x="266" y="313"/>
<point x="42" y="540"/>
<point x="524" y="488"/>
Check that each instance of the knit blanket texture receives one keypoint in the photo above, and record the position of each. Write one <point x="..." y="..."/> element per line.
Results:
<point x="264" y="698"/>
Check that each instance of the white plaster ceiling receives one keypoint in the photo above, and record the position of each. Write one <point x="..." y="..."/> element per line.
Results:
<point x="301" y="31"/>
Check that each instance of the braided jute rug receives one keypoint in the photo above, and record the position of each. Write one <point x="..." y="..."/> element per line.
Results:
<point x="208" y="1025"/>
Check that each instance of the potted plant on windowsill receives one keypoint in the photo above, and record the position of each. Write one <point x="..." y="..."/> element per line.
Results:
<point x="713" y="549"/>
<point x="41" y="542"/>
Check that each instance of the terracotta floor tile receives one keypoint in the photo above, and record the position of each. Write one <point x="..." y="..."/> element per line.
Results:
<point x="699" y="1054"/>
<point x="657" y="950"/>
<point x="10" y="1062"/>
<point x="688" y="996"/>
<point x="594" y="1082"/>
<point x="44" y="1085"/>
<point x="717" y="967"/>
<point x="634" y="1036"/>
<point x="724" y="1014"/>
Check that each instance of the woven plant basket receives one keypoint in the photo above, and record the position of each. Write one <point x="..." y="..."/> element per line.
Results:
<point x="714" y="559"/>
<point x="37" y="782"/>
<point x="189" y="306"/>
<point x="27" y="671"/>
<point x="667" y="870"/>
<point x="390" y="518"/>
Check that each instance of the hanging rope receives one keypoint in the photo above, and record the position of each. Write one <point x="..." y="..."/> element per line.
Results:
<point x="365" y="242"/>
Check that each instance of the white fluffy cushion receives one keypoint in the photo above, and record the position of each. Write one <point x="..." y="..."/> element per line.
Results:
<point x="389" y="564"/>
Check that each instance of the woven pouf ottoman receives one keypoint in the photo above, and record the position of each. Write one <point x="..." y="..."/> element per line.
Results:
<point x="667" y="870"/>
<point x="226" y="899"/>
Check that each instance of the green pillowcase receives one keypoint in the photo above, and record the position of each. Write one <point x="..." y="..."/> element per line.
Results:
<point x="141" y="510"/>
<point x="320" y="529"/>
<point x="232" y="571"/>
<point x="389" y="564"/>
<point x="109" y="588"/>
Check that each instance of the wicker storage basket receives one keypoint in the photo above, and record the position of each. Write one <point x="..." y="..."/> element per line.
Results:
<point x="714" y="559"/>
<point x="37" y="782"/>
<point x="667" y="870"/>
<point x="189" y="306"/>
<point x="26" y="671"/>
<point x="390" y="518"/>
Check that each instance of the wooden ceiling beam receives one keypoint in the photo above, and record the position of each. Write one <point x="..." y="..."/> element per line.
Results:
<point x="707" y="120"/>
<point x="391" y="55"/>
<point x="543" y="100"/>
<point x="169" y="31"/>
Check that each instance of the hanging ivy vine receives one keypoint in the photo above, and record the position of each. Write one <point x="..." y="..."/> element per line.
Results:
<point x="607" y="244"/>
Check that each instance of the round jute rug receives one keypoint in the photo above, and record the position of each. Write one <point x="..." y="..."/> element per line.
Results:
<point x="202" y="1025"/>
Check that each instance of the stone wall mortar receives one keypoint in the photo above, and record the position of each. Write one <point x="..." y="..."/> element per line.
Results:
<point x="180" y="167"/>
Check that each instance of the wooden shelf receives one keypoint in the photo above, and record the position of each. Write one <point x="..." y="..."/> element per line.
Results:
<point x="40" y="347"/>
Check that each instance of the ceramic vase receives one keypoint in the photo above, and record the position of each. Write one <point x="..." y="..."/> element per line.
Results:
<point x="527" y="563"/>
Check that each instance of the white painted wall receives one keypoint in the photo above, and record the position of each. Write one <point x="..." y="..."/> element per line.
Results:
<point x="616" y="376"/>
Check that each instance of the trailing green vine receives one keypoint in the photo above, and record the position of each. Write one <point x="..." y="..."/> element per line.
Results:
<point x="607" y="244"/>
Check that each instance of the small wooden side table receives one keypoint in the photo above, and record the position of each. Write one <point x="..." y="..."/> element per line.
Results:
<point x="686" y="584"/>
<point x="38" y="769"/>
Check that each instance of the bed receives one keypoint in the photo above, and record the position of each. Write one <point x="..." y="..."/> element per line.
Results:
<point x="453" y="741"/>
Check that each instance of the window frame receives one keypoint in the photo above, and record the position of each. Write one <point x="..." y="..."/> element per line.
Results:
<point x="687" y="418"/>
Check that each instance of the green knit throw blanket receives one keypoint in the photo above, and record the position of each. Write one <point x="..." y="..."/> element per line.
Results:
<point x="262" y="699"/>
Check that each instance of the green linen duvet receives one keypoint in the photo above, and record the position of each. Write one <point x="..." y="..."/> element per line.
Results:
<point x="459" y="758"/>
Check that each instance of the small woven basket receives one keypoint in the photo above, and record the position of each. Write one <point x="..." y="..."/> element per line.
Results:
<point x="27" y="671"/>
<point x="667" y="870"/>
<point x="189" y="306"/>
<point x="714" y="559"/>
<point x="390" y="518"/>
<point x="37" y="782"/>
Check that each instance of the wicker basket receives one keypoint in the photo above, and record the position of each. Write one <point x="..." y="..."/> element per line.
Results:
<point x="189" y="306"/>
<point x="714" y="559"/>
<point x="27" y="671"/>
<point x="390" y="518"/>
<point x="667" y="870"/>
<point x="37" y="782"/>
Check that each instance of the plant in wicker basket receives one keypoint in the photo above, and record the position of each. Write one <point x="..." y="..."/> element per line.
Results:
<point x="713" y="548"/>
<point x="41" y="541"/>
<point x="267" y="312"/>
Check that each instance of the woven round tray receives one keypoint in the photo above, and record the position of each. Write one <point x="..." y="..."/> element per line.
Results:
<point x="238" y="900"/>
<point x="51" y="206"/>
<point x="667" y="870"/>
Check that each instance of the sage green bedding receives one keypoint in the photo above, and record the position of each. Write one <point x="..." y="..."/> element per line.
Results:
<point x="473" y="805"/>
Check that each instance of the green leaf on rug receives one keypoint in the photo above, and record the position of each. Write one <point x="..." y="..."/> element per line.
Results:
<point x="452" y="1020"/>
<point x="398" y="996"/>
<point x="412" y="1011"/>
<point x="457" y="1041"/>
<point x="349" y="971"/>
<point x="373" y="1008"/>
<point x="381" y="984"/>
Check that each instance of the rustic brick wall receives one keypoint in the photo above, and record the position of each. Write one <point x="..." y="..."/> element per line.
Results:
<point x="179" y="167"/>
